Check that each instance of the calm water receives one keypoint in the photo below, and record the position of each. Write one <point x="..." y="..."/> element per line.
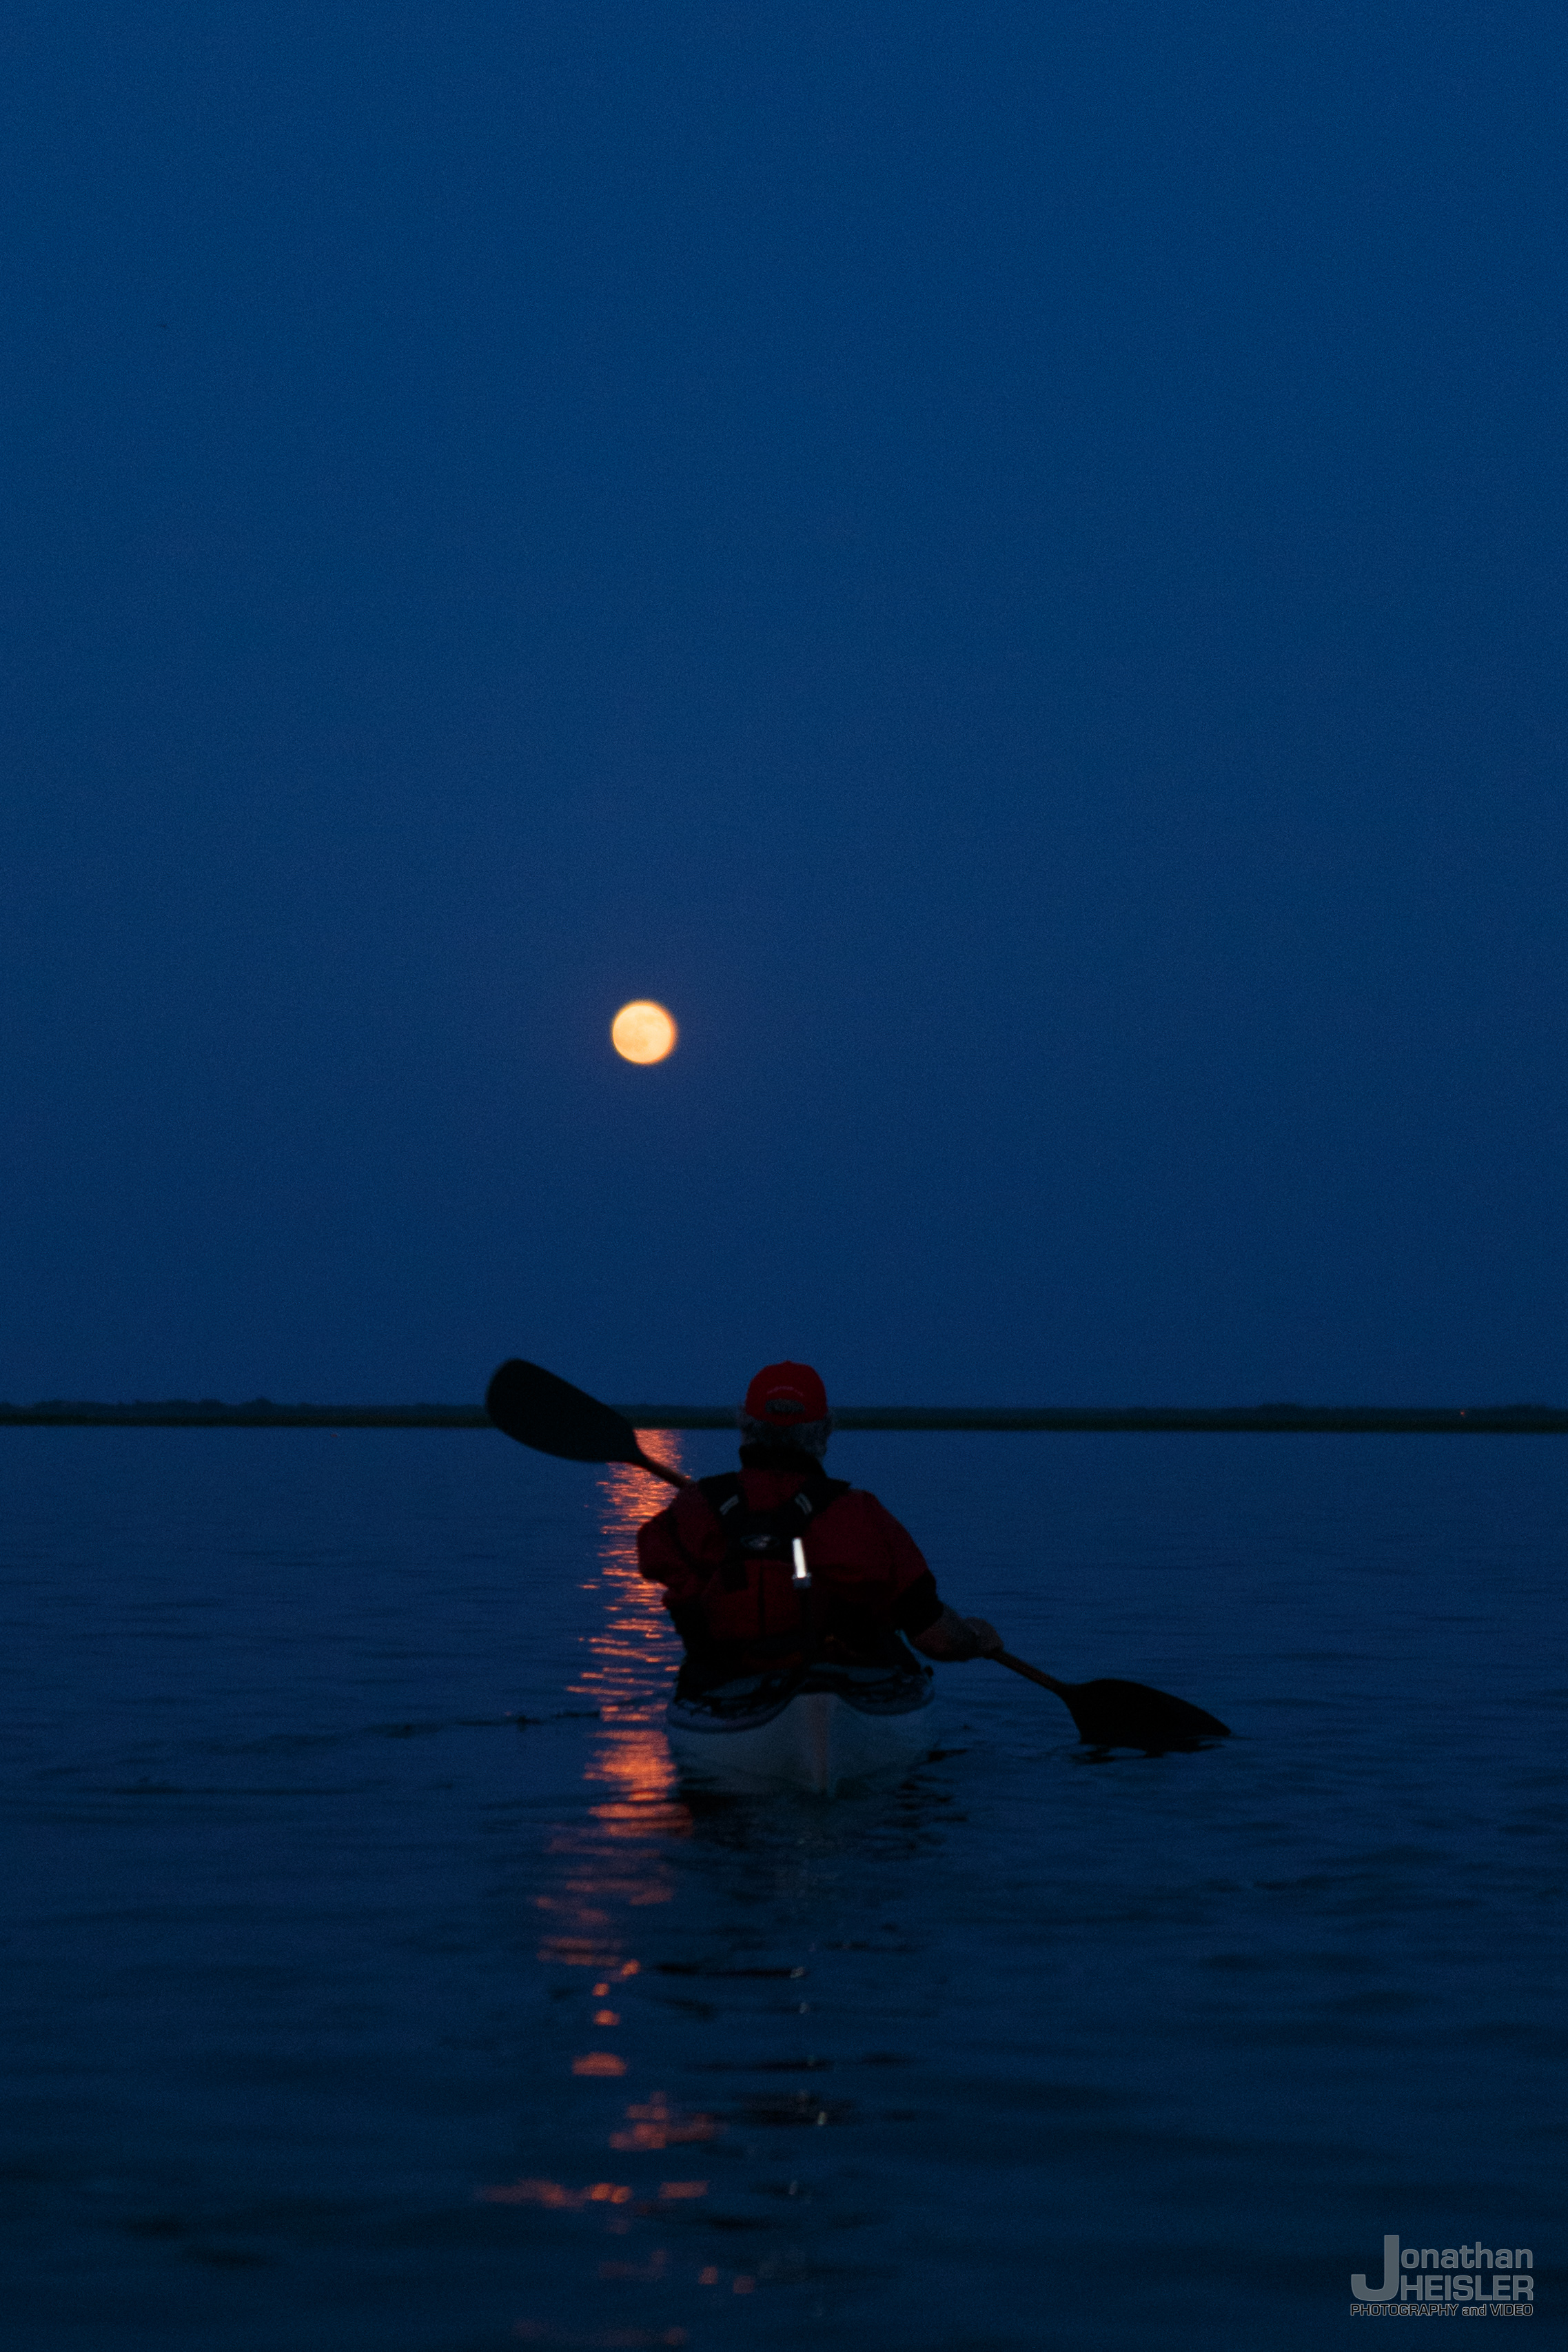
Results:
<point x="368" y="1981"/>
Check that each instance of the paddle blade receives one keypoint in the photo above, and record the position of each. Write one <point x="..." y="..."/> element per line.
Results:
<point x="1111" y="1714"/>
<point x="539" y="1409"/>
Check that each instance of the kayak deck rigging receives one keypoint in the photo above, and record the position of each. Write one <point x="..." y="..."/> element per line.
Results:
<point x="818" y="1729"/>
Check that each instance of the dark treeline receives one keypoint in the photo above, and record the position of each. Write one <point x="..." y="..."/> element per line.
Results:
<point x="209" y="1412"/>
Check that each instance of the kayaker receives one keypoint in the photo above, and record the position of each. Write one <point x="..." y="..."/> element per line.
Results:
<point x="729" y="1553"/>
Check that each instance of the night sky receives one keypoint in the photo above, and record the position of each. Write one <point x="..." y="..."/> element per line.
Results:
<point x="1004" y="562"/>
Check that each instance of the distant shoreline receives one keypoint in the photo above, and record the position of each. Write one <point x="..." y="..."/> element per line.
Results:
<point x="1265" y="1420"/>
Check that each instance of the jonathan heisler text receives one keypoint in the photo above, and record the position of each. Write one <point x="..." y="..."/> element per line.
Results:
<point x="1496" y="2280"/>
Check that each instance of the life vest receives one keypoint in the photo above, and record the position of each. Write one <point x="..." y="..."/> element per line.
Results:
<point x="752" y="1536"/>
<point x="753" y="1609"/>
<point x="728" y="1576"/>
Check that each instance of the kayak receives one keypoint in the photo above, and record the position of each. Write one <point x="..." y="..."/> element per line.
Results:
<point x="819" y="1732"/>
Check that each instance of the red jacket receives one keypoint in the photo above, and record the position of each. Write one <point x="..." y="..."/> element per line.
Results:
<point x="742" y="1614"/>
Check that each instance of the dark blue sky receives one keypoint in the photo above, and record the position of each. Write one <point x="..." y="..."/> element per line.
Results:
<point x="1005" y="561"/>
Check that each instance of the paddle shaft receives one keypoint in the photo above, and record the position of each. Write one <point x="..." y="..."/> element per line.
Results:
<point x="1030" y="1674"/>
<point x="659" y="1470"/>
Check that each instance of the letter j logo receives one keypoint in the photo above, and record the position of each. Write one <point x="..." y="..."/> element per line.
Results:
<point x="1390" y="2287"/>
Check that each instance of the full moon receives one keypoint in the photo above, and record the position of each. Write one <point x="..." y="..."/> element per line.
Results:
<point x="642" y="1032"/>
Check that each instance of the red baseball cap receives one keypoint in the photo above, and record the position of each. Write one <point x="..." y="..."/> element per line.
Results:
<point x="786" y="1393"/>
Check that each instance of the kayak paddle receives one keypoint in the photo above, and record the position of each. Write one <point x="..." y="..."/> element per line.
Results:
<point x="1111" y="1714"/>
<point x="545" y="1412"/>
<point x="539" y="1409"/>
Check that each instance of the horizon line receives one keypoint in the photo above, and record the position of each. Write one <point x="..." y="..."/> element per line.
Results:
<point x="262" y="1412"/>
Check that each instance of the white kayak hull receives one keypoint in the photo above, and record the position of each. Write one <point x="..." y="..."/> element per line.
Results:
<point x="830" y="1735"/>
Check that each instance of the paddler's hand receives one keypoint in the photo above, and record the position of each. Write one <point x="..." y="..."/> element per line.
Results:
<point x="952" y="1639"/>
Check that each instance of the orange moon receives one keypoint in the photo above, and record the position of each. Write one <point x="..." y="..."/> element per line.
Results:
<point x="644" y="1031"/>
